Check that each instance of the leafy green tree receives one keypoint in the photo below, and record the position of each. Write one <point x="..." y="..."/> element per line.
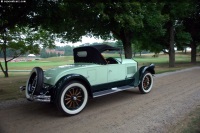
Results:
<point x="176" y="11"/>
<point x="22" y="40"/>
<point x="136" y="45"/>
<point x="192" y="25"/>
<point x="119" y="20"/>
<point x="15" y="16"/>
<point x="68" y="50"/>
<point x="43" y="53"/>
<point x="182" y="38"/>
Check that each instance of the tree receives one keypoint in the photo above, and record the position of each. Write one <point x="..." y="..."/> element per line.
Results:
<point x="15" y="16"/>
<point x="182" y="38"/>
<point x="8" y="40"/>
<point x="192" y="25"/>
<point x="150" y="36"/>
<point x="176" y="11"/>
<point x="119" y="20"/>
<point x="22" y="40"/>
<point x="22" y="13"/>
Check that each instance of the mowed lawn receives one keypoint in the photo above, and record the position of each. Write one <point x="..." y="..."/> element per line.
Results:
<point x="161" y="61"/>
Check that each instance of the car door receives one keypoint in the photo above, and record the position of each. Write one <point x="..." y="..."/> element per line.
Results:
<point x="116" y="72"/>
<point x="97" y="75"/>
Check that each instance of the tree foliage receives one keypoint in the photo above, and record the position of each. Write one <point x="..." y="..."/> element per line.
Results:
<point x="153" y="26"/>
<point x="22" y="40"/>
<point x="192" y="26"/>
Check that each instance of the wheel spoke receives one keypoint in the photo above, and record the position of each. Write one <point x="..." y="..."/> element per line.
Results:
<point x="68" y="95"/>
<point x="146" y="82"/>
<point x="72" y="91"/>
<point x="68" y="98"/>
<point x="76" y="92"/>
<point x="68" y="102"/>
<point x="76" y="103"/>
<point x="79" y="100"/>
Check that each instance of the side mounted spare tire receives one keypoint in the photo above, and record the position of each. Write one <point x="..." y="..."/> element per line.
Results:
<point x="35" y="82"/>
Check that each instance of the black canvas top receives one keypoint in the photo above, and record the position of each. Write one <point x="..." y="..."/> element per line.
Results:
<point x="93" y="53"/>
<point x="105" y="47"/>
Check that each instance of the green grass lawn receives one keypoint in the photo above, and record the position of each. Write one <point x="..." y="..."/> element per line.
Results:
<point x="43" y="63"/>
<point x="47" y="63"/>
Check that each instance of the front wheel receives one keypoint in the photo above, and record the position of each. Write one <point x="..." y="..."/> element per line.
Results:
<point x="146" y="83"/>
<point x="72" y="98"/>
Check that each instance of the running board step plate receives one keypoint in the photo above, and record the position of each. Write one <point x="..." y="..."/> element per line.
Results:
<point x="112" y="90"/>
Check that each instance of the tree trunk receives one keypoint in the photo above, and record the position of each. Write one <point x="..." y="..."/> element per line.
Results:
<point x="126" y="40"/>
<point x="171" y="47"/>
<point x="185" y="49"/>
<point x="6" y="64"/>
<point x="4" y="55"/>
<point x="134" y="54"/>
<point x="4" y="72"/>
<point x="193" y="52"/>
<point x="127" y="50"/>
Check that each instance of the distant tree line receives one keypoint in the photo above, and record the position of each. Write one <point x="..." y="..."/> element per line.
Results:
<point x="68" y="50"/>
<point x="9" y="53"/>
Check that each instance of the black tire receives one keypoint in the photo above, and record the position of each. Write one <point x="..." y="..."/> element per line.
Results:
<point x="35" y="82"/>
<point x="146" y="83"/>
<point x="72" y="98"/>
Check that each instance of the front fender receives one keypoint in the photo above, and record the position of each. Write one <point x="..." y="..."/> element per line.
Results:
<point x="149" y="68"/>
<point x="141" y="71"/>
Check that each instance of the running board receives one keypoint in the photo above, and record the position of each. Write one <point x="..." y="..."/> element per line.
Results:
<point x="112" y="90"/>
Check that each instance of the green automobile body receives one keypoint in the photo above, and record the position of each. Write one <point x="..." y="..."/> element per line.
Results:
<point x="91" y="75"/>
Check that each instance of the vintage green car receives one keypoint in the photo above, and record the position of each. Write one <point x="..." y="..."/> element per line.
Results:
<point x="91" y="75"/>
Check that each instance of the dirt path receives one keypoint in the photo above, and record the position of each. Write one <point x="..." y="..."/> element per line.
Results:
<point x="174" y="95"/>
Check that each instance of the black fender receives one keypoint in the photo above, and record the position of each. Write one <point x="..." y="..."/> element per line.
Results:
<point x="149" y="68"/>
<point x="68" y="78"/>
<point x="138" y="75"/>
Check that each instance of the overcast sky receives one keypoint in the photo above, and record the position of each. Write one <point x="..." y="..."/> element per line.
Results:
<point x="84" y="40"/>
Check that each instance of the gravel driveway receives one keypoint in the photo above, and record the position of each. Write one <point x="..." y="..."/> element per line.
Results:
<point x="173" y="97"/>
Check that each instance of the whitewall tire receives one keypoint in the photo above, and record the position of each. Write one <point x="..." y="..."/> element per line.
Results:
<point x="72" y="98"/>
<point x="146" y="83"/>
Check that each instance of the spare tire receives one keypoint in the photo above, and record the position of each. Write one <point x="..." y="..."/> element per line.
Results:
<point x="35" y="82"/>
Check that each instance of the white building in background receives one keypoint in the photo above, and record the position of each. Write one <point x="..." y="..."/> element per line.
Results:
<point x="31" y="55"/>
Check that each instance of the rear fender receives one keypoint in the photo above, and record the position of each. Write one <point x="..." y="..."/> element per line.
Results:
<point x="68" y="78"/>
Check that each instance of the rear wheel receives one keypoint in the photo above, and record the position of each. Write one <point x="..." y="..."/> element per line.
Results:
<point x="35" y="82"/>
<point x="73" y="98"/>
<point x="146" y="83"/>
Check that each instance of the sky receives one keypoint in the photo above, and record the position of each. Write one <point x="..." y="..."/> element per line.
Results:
<point x="84" y="40"/>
